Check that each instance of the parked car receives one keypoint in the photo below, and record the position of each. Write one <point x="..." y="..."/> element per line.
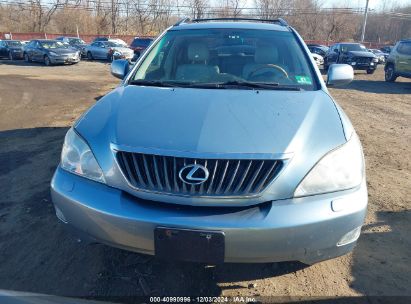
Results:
<point x="74" y="42"/>
<point x="114" y="40"/>
<point x="138" y="45"/>
<point x="108" y="50"/>
<point x="380" y="55"/>
<point x="354" y="54"/>
<point x="12" y="49"/>
<point x="50" y="52"/>
<point x="318" y="49"/>
<point x="319" y="60"/>
<point x="386" y="49"/>
<point x="217" y="157"/>
<point x="399" y="61"/>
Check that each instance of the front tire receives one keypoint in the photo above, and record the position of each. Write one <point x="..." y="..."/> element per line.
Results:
<point x="89" y="56"/>
<point x="27" y="58"/>
<point x="390" y="73"/>
<point x="47" y="61"/>
<point x="370" y="72"/>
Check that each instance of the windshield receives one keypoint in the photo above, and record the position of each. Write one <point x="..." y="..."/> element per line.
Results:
<point x="76" y="41"/>
<point x="218" y="56"/>
<point x="353" y="47"/>
<point x="14" y="43"/>
<point x="112" y="44"/>
<point x="52" y="44"/>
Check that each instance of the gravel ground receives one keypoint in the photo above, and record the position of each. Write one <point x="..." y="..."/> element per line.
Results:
<point x="38" y="104"/>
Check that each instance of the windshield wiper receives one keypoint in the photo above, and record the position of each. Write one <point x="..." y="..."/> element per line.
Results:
<point x="153" y="83"/>
<point x="260" y="85"/>
<point x="216" y="85"/>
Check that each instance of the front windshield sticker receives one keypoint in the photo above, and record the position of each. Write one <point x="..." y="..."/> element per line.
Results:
<point x="303" y="79"/>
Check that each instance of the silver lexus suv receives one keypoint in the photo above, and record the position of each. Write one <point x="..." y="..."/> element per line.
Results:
<point x="221" y="144"/>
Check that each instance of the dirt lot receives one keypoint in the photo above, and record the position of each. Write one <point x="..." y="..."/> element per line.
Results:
<point x="38" y="104"/>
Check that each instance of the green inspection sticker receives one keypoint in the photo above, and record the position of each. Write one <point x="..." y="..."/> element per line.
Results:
<point x="303" y="79"/>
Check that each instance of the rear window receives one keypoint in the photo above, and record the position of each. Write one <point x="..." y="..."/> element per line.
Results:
<point x="224" y="55"/>
<point x="139" y="42"/>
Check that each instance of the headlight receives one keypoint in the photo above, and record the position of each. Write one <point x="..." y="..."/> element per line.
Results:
<point x="76" y="157"/>
<point x="375" y="59"/>
<point x="340" y="169"/>
<point x="53" y="54"/>
<point x="117" y="53"/>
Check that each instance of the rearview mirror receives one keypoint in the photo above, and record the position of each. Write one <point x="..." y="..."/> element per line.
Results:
<point x="120" y="68"/>
<point x="339" y="74"/>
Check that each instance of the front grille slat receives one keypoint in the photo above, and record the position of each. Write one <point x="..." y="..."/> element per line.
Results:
<point x="137" y="169"/>
<point x="167" y="181"/>
<point x="147" y="171"/>
<point x="210" y="186"/>
<point x="156" y="173"/>
<point x="254" y="177"/>
<point x="226" y="177"/>
<point x="233" y="176"/>
<point x="227" y="163"/>
<point x="237" y="189"/>
<point x="175" y="175"/>
<point x="263" y="180"/>
<point x="128" y="169"/>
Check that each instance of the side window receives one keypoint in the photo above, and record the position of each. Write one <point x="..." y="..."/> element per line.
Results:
<point x="404" y="48"/>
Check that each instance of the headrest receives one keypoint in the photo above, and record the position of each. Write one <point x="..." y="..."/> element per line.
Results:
<point x="197" y="51"/>
<point x="265" y="54"/>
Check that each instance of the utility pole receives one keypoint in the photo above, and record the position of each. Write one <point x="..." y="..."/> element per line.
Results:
<point x="364" y="23"/>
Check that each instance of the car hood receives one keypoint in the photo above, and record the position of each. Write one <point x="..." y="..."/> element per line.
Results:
<point x="299" y="127"/>
<point x="63" y="51"/>
<point x="123" y="49"/>
<point x="217" y="121"/>
<point x="18" y="48"/>
<point x="361" y="54"/>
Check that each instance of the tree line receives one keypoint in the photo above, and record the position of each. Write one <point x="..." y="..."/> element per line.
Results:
<point x="313" y="20"/>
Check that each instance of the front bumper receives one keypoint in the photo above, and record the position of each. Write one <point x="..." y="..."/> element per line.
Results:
<point x="64" y="59"/>
<point x="17" y="55"/>
<point x="298" y="229"/>
<point x="363" y="66"/>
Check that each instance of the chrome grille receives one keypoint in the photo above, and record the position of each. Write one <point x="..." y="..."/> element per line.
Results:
<point x="227" y="177"/>
<point x="362" y="59"/>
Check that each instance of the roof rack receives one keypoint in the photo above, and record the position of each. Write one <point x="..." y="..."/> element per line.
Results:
<point x="183" y="20"/>
<point x="279" y="21"/>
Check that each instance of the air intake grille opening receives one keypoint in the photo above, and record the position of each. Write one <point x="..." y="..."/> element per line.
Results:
<point x="227" y="177"/>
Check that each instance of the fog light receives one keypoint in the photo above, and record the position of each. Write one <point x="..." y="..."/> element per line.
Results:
<point x="350" y="237"/>
<point x="60" y="215"/>
<point x="353" y="63"/>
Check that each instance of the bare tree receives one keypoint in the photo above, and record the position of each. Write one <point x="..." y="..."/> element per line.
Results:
<point x="197" y="8"/>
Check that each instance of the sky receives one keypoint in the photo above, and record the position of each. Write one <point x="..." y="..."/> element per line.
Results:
<point x="374" y="4"/>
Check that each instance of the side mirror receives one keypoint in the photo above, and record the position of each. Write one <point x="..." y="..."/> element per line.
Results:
<point x="120" y="68"/>
<point x="339" y="74"/>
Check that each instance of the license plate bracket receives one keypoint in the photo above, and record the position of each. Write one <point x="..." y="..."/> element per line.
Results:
<point x="201" y="246"/>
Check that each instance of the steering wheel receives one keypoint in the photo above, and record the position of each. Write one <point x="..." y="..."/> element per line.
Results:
<point x="269" y="66"/>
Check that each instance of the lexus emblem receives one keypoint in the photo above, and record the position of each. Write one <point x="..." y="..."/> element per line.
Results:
<point x="193" y="174"/>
